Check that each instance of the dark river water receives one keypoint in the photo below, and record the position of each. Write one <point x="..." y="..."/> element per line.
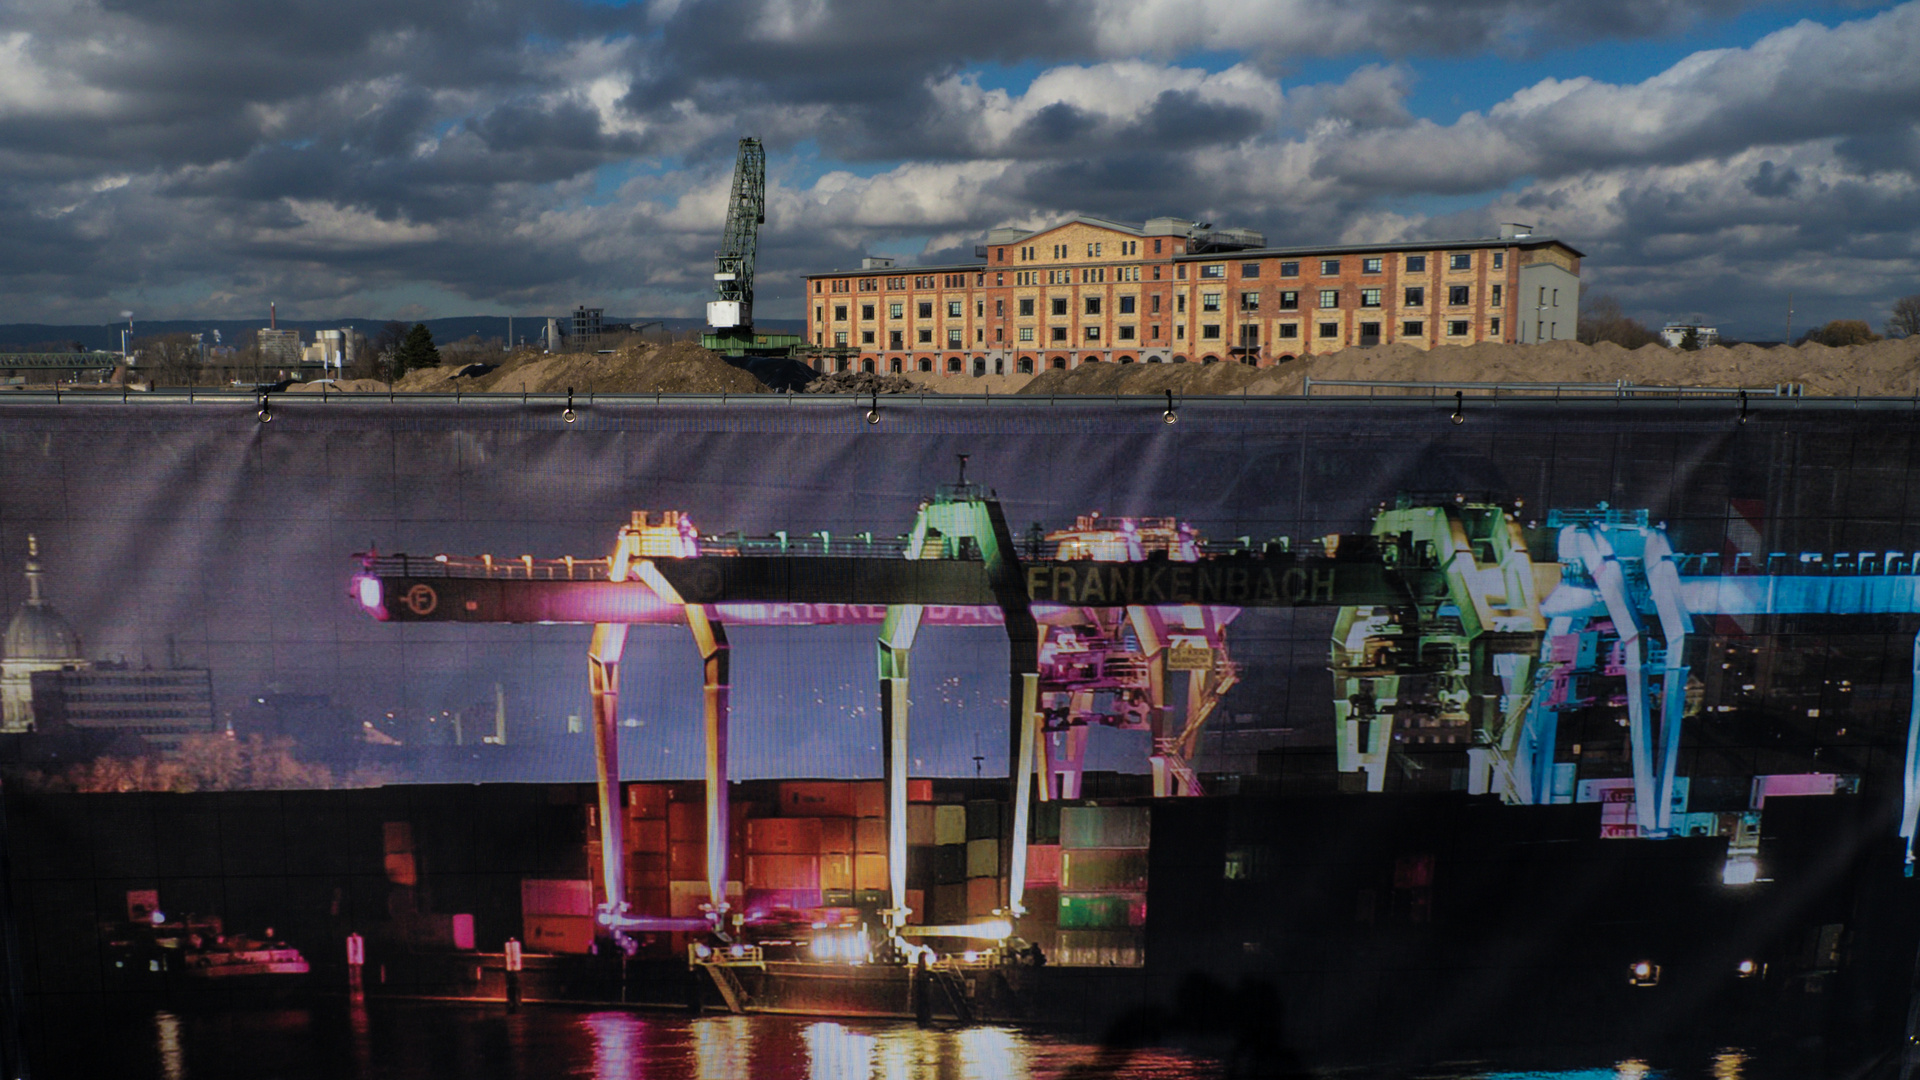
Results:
<point x="429" y="1041"/>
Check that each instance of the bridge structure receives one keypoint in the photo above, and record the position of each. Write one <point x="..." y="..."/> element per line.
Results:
<point x="1100" y="621"/>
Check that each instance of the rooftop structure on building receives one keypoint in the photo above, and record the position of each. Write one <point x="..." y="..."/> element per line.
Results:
<point x="1170" y="290"/>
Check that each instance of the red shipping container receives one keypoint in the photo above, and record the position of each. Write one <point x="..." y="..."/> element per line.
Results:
<point x="870" y="836"/>
<point x="949" y="905"/>
<point x="870" y="799"/>
<point x="783" y="836"/>
<point x="687" y="821"/>
<point x="556" y="897"/>
<point x="761" y="901"/>
<point x="400" y="868"/>
<point x="646" y="800"/>
<point x="836" y="873"/>
<point x="816" y="798"/>
<point x="916" y="907"/>
<point x="783" y="872"/>
<point x="1043" y="864"/>
<point x="647" y="835"/>
<point x="558" y="933"/>
<point x="870" y="872"/>
<point x="688" y="862"/>
<point x="836" y="836"/>
<point x="983" y="895"/>
<point x="919" y="791"/>
<point x="655" y="901"/>
<point x="920" y="830"/>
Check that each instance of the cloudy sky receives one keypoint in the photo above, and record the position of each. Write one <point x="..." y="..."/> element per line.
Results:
<point x="416" y="158"/>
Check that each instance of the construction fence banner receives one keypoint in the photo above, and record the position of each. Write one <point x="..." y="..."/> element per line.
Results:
<point x="1677" y="638"/>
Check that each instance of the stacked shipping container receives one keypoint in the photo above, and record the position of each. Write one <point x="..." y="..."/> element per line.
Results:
<point x="1103" y="885"/>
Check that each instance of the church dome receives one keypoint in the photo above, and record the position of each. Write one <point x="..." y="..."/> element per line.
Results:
<point x="37" y="631"/>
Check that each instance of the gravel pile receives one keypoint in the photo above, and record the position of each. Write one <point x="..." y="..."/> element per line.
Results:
<point x="679" y="368"/>
<point x="862" y="382"/>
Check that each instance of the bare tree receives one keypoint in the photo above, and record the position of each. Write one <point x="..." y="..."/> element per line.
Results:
<point x="1906" y="317"/>
<point x="1602" y="320"/>
<point x="169" y="359"/>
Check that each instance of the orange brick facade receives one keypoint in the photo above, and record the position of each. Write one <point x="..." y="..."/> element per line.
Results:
<point x="1089" y="291"/>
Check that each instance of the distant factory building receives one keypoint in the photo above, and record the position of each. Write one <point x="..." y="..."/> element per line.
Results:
<point x="280" y="347"/>
<point x="1176" y="291"/>
<point x="586" y="325"/>
<point x="39" y="640"/>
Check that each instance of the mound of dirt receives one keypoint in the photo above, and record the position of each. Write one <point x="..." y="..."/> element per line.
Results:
<point x="1881" y="369"/>
<point x="863" y="382"/>
<point x="679" y="368"/>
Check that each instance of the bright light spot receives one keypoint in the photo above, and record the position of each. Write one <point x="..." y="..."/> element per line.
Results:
<point x="970" y="956"/>
<point x="1642" y="969"/>
<point x="1740" y="871"/>
<point x="439" y="558"/>
<point x="159" y="917"/>
<point x="737" y="951"/>
<point x="1747" y="967"/>
<point x="370" y="593"/>
<point x="702" y="951"/>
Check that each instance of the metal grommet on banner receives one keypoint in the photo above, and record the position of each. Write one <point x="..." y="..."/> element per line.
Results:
<point x="266" y="410"/>
<point x="1170" y="416"/>
<point x="873" y="410"/>
<point x="1459" y="406"/>
<point x="567" y="414"/>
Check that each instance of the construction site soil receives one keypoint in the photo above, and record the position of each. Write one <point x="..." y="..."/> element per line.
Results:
<point x="1881" y="369"/>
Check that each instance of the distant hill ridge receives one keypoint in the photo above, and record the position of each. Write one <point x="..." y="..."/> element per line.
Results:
<point x="236" y="331"/>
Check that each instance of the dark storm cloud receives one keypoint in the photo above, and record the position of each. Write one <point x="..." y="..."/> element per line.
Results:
<point x="540" y="152"/>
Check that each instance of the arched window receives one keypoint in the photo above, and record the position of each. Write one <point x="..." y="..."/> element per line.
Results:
<point x="926" y="363"/>
<point x="953" y="365"/>
<point x="894" y="365"/>
<point x="1284" y="357"/>
<point x="1124" y="360"/>
<point x="1153" y="359"/>
<point x="1026" y="365"/>
<point x="1059" y="361"/>
<point x="842" y="364"/>
<point x="867" y="365"/>
<point x="1209" y="359"/>
<point x="1179" y="359"/>
<point x="979" y="366"/>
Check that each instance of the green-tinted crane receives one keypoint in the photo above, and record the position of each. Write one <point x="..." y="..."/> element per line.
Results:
<point x="732" y="306"/>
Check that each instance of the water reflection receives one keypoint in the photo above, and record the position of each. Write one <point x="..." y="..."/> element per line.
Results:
<point x="420" y="1041"/>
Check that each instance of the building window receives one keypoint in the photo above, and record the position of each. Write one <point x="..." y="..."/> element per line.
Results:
<point x="1459" y="295"/>
<point x="866" y="312"/>
<point x="1460" y="260"/>
<point x="893" y="340"/>
<point x="1093" y="333"/>
<point x="999" y="334"/>
<point x="1370" y="330"/>
<point x="1093" y="305"/>
<point x="819" y="313"/>
<point x="1329" y="298"/>
<point x="1493" y="327"/>
<point x="1026" y="307"/>
<point x="979" y="336"/>
<point x="926" y="309"/>
<point x="1289" y="301"/>
<point x="840" y="338"/>
<point x="1250" y="336"/>
<point x="1180" y="332"/>
<point x="1026" y="365"/>
<point x="1180" y="303"/>
<point x="979" y="366"/>
<point x="953" y="365"/>
<point x="1369" y="297"/>
<point x="1210" y="301"/>
<point x="1416" y="264"/>
<point x="953" y="309"/>
<point x="894" y="310"/>
<point x="816" y="286"/>
<point x="1126" y="333"/>
<point x="1329" y="267"/>
<point x="1059" y="305"/>
<point x="1499" y="259"/>
<point x="1289" y="269"/>
<point x="1059" y="333"/>
<point x="1249" y="269"/>
<point x="926" y="336"/>
<point x="1495" y="298"/>
<point x="842" y="365"/>
<point x="1249" y="301"/>
<point x="1154" y="306"/>
<point x="1329" y="329"/>
<point x="979" y="309"/>
<point x="1369" y="266"/>
<point x="1288" y="330"/>
<point x="926" y="364"/>
<point x="953" y="338"/>
<point x="839" y="313"/>
<point x="1210" y="331"/>
<point x="1126" y="305"/>
<point x="1156" y="247"/>
<point x="1214" y="270"/>
<point x="1416" y="296"/>
<point x="1180" y="271"/>
<point x="999" y="309"/>
<point x="1412" y="328"/>
<point x="1156" y="273"/>
<point x="1457" y="328"/>
<point x="1026" y="333"/>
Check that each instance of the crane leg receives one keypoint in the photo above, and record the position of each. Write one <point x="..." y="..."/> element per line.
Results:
<point x="715" y="655"/>
<point x="603" y="682"/>
<point x="1910" y="801"/>
<point x="896" y="649"/>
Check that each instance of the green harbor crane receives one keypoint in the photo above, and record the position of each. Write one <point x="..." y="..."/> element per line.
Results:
<point x="730" y="312"/>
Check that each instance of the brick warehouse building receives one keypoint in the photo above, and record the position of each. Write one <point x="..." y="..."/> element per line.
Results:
<point x="1172" y="291"/>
